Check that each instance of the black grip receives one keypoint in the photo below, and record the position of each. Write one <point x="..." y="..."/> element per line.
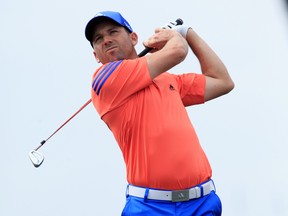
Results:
<point x="179" y="21"/>
<point x="145" y="51"/>
<point x="148" y="49"/>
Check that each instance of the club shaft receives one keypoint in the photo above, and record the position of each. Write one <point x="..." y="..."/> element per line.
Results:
<point x="59" y="128"/>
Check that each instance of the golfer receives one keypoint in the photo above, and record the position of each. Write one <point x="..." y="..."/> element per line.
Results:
<point x="143" y="105"/>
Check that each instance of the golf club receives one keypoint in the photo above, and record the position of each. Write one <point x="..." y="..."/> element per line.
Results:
<point x="148" y="49"/>
<point x="36" y="157"/>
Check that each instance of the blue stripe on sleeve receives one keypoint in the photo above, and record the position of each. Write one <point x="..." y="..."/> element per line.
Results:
<point x="107" y="75"/>
<point x="103" y="75"/>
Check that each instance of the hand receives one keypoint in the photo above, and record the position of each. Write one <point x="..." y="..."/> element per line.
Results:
<point x="158" y="40"/>
<point x="182" y="29"/>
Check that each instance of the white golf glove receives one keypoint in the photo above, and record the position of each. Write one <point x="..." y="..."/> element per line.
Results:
<point x="182" y="29"/>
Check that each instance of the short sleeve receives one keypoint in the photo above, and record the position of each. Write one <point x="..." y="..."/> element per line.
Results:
<point x="192" y="88"/>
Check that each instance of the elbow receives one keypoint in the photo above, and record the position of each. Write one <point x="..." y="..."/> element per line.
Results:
<point x="227" y="83"/>
<point x="230" y="85"/>
<point x="223" y="89"/>
<point x="184" y="53"/>
<point x="226" y="86"/>
<point x="218" y="87"/>
<point x="180" y="53"/>
<point x="176" y="51"/>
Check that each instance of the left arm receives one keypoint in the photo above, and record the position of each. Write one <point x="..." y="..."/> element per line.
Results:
<point x="218" y="80"/>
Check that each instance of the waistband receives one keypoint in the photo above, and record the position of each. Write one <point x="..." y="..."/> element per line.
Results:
<point x="172" y="195"/>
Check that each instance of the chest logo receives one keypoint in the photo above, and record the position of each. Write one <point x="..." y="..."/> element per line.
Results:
<point x="171" y="87"/>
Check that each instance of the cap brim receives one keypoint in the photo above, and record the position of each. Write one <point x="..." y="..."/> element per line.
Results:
<point x="89" y="30"/>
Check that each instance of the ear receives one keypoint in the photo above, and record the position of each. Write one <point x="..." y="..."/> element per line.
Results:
<point x="95" y="55"/>
<point x="134" y="38"/>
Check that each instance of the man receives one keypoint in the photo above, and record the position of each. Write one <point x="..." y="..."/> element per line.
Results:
<point x="144" y="107"/>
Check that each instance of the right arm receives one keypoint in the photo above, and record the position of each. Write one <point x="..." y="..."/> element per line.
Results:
<point x="171" y="49"/>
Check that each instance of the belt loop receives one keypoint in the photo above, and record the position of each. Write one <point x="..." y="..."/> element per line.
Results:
<point x="146" y="194"/>
<point x="201" y="190"/>
<point x="127" y="190"/>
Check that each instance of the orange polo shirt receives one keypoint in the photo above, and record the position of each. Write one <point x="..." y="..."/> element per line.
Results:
<point x="150" y="123"/>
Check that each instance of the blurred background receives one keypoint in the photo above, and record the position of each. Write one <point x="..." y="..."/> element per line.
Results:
<point x="46" y="66"/>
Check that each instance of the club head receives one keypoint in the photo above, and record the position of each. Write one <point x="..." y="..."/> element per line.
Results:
<point x="36" y="158"/>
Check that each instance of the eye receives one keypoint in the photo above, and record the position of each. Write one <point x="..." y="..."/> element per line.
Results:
<point x="113" y="31"/>
<point x="97" y="39"/>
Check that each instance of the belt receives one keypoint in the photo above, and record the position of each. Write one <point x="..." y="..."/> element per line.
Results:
<point x="175" y="195"/>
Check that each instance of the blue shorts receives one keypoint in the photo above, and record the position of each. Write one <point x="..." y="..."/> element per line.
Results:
<point x="209" y="205"/>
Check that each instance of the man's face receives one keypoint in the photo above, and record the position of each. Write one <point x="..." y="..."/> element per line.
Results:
<point x="113" y="42"/>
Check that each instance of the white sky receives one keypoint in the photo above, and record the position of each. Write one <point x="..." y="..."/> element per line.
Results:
<point x="46" y="66"/>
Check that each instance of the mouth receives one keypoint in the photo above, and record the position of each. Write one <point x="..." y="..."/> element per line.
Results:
<point x="110" y="49"/>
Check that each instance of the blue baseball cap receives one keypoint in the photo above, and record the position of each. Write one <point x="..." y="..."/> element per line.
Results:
<point x="104" y="15"/>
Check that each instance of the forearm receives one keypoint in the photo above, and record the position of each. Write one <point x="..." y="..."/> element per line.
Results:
<point x="218" y="80"/>
<point x="211" y="64"/>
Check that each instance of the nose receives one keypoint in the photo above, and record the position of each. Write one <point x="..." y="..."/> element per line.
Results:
<point x="107" y="40"/>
